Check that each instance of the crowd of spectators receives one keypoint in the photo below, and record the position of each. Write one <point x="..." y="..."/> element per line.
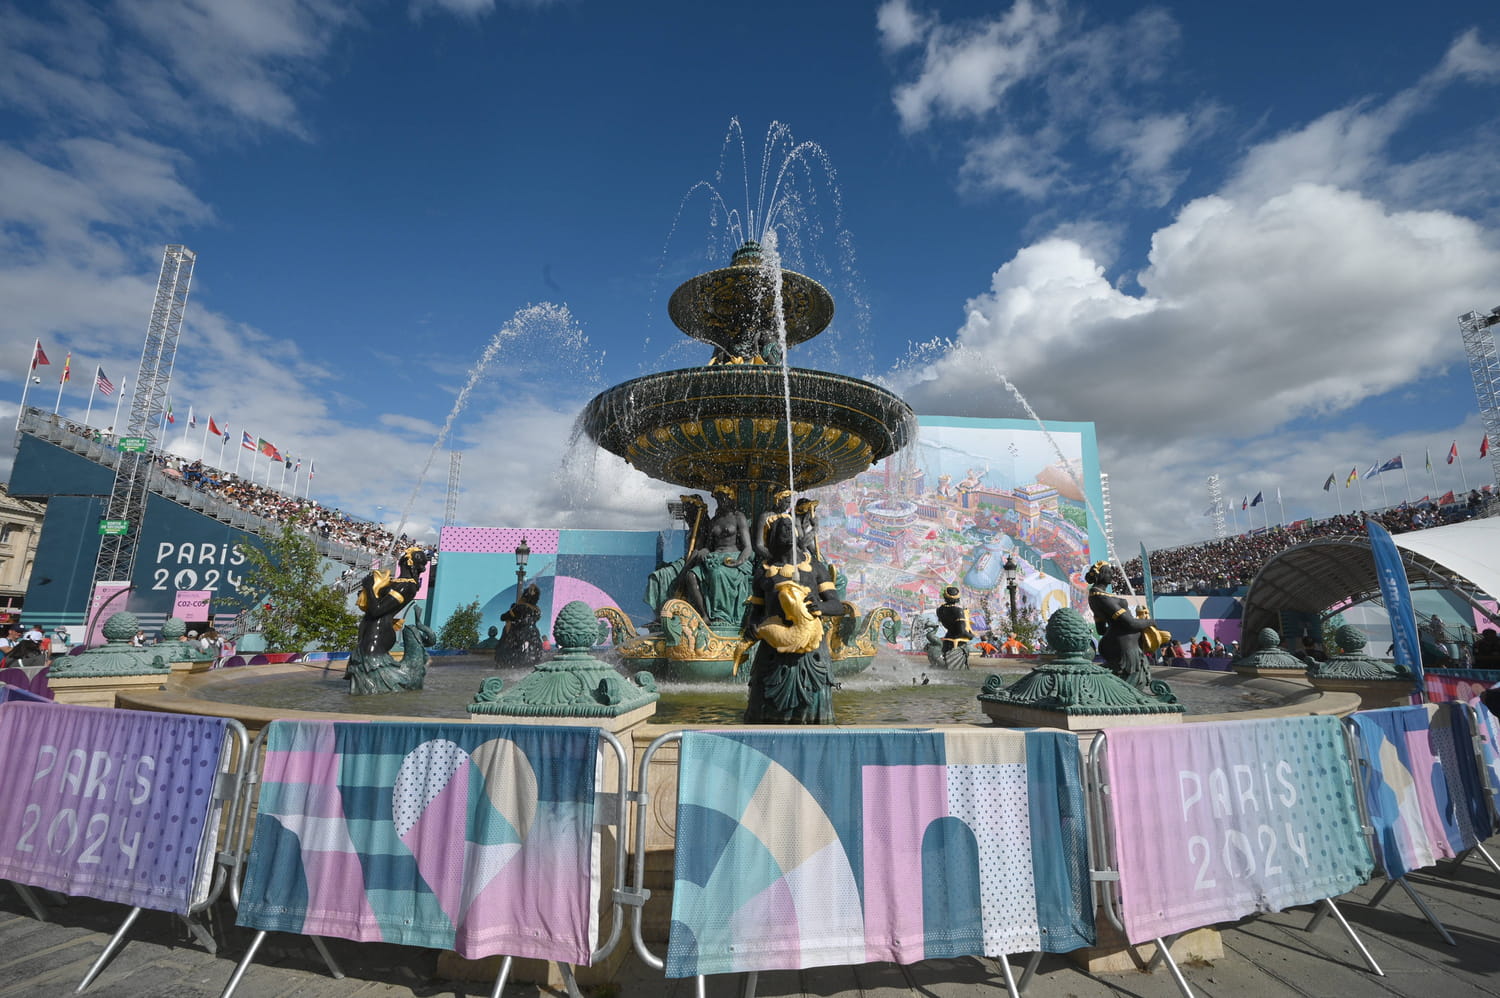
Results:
<point x="268" y="503"/>
<point x="1222" y="566"/>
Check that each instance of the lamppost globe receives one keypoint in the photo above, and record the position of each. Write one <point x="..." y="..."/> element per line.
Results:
<point x="523" y="555"/>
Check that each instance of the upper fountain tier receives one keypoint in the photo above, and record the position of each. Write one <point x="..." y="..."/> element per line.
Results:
<point x="726" y="423"/>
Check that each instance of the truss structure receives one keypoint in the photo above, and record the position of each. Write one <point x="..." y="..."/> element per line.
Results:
<point x="1479" y="331"/>
<point x="127" y="500"/>
<point x="1108" y="514"/>
<point x="1216" y="498"/>
<point x="450" y="511"/>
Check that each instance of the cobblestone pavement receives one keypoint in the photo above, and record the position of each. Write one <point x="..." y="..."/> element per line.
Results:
<point x="1267" y="957"/>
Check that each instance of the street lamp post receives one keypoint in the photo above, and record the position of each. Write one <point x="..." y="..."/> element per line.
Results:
<point x="1010" y="585"/>
<point x="523" y="555"/>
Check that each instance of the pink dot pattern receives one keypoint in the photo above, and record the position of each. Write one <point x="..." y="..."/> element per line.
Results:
<point x="496" y="540"/>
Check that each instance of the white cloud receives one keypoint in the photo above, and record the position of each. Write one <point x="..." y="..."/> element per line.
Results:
<point x="899" y="25"/>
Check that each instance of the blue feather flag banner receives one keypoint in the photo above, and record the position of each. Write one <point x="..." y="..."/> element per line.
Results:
<point x="808" y="849"/>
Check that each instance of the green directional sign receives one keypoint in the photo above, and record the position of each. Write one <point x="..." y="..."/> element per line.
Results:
<point x="134" y="444"/>
<point x="115" y="527"/>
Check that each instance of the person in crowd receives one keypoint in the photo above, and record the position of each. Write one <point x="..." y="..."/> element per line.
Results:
<point x="1487" y="650"/>
<point x="62" y="642"/>
<point x="1013" y="647"/>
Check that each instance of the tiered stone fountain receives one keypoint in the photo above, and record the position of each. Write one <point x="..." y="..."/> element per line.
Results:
<point x="753" y="431"/>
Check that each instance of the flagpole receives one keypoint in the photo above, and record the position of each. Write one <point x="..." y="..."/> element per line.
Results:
<point x="223" y="441"/>
<point x="1463" y="474"/>
<point x="115" y="427"/>
<point x="1385" y="499"/>
<point x="89" y="412"/>
<point x="1406" y="478"/>
<point x="239" y="452"/>
<point x="1339" y="500"/>
<point x="62" y="382"/>
<point x="1282" y="506"/>
<point x="36" y="348"/>
<point x="203" y="451"/>
<point x="1359" y="483"/>
<point x="1432" y="473"/>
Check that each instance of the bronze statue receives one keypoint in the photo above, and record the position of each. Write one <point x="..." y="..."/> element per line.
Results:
<point x="791" y="673"/>
<point x="717" y="575"/>
<point x="953" y="651"/>
<point x="520" y="644"/>
<point x="382" y="599"/>
<point x="1119" y="630"/>
<point x="780" y="509"/>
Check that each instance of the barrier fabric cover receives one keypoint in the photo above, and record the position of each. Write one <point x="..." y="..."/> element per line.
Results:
<point x="1216" y="821"/>
<point x="1453" y="685"/>
<point x="473" y="837"/>
<point x="1489" y="747"/>
<point x="110" y="804"/>
<point x="807" y="849"/>
<point x="1451" y="736"/>
<point x="1405" y="789"/>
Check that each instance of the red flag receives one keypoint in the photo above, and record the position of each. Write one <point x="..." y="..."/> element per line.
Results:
<point x="213" y="427"/>
<point x="40" y="357"/>
<point x="1484" y="445"/>
<point x="1447" y="497"/>
<point x="1453" y="452"/>
<point x="67" y="374"/>
<point x="268" y="449"/>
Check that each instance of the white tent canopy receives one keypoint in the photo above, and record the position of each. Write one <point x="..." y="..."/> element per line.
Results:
<point x="1339" y="571"/>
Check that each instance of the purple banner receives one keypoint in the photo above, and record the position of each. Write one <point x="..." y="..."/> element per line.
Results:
<point x="109" y="804"/>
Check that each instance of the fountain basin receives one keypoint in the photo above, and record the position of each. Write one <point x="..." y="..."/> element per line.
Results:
<point x="706" y="426"/>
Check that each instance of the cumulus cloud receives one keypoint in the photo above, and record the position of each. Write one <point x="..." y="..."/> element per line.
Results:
<point x="1303" y="287"/>
<point x="1032" y="88"/>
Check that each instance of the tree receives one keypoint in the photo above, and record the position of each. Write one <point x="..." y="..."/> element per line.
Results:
<point x="284" y="590"/>
<point x="461" y="632"/>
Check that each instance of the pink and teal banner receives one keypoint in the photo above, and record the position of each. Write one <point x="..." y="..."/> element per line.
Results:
<point x="110" y="804"/>
<point x="808" y="849"/>
<point x="1406" y="791"/>
<point x="473" y="837"/>
<point x="1444" y="685"/>
<point x="1213" y="822"/>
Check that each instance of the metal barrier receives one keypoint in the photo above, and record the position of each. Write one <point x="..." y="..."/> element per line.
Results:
<point x="609" y="811"/>
<point x="1105" y="870"/>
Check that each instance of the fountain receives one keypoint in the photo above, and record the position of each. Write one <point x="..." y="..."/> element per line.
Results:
<point x="753" y="430"/>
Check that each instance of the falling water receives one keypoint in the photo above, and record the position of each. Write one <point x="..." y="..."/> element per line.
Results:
<point x="770" y="266"/>
<point x="532" y="319"/>
<point x="925" y="355"/>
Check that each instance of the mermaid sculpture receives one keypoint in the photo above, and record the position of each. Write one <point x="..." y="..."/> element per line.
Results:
<point x="791" y="673"/>
<point x="520" y="644"/>
<point x="717" y="576"/>
<point x="382" y="599"/>
<point x="1119" y="630"/>
<point x="953" y="651"/>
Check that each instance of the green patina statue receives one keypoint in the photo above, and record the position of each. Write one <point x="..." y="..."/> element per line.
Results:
<point x="117" y="657"/>
<point x="1269" y="654"/>
<point x="382" y="599"/>
<point x="1351" y="662"/>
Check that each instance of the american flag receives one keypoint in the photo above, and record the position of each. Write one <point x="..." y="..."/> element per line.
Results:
<point x="102" y="382"/>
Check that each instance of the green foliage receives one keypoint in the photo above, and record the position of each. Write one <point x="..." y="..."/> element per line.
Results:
<point x="292" y="606"/>
<point x="461" y="632"/>
<point x="1075" y="515"/>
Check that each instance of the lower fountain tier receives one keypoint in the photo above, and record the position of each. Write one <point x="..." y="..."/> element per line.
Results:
<point x="726" y="424"/>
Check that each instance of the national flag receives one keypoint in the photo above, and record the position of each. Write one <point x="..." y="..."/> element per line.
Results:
<point x="1453" y="452"/>
<point x="1245" y="503"/>
<point x="299" y="465"/>
<point x="39" y="357"/>
<point x="1429" y="461"/>
<point x="170" y="418"/>
<point x="1353" y="474"/>
<point x="192" y="419"/>
<point x="268" y="449"/>
<point x="67" y="371"/>
<point x="1328" y="484"/>
<point x="1446" y="498"/>
<point x="288" y="461"/>
<point x="1484" y="445"/>
<point x="1374" y="470"/>
<point x="1394" y="464"/>
<point x="1259" y="498"/>
<point x="247" y="441"/>
<point x="213" y="428"/>
<point x="312" y="466"/>
<point x="102" y="382"/>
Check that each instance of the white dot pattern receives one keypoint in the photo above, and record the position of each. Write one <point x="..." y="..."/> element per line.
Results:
<point x="992" y="801"/>
<point x="425" y="772"/>
<point x="496" y="540"/>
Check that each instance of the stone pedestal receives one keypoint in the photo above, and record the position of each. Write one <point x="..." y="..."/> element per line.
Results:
<point x="1372" y="693"/>
<point x="1112" y="954"/>
<point x="99" y="691"/>
<point x="1256" y="672"/>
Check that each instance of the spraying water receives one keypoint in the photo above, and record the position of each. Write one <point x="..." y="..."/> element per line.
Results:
<point x="770" y="265"/>
<point x="545" y="317"/>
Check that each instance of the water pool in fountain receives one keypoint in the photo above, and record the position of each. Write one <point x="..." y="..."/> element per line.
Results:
<point x="884" y="694"/>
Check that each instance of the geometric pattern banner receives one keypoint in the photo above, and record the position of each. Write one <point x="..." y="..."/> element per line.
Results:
<point x="807" y="849"/>
<point x="1405" y="789"/>
<point x="478" y="838"/>
<point x="1216" y="821"/>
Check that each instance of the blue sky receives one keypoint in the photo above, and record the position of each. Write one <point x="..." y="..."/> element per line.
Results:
<point x="1235" y="238"/>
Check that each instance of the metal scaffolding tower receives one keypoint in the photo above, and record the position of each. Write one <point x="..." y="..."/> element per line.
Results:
<point x="1479" y="331"/>
<point x="1109" y="516"/>
<point x="127" y="500"/>
<point x="1216" y="496"/>
<point x="450" y="512"/>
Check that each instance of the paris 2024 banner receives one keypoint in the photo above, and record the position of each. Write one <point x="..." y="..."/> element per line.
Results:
<point x="953" y="506"/>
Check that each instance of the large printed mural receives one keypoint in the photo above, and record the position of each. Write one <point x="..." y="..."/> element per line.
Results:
<point x="951" y="508"/>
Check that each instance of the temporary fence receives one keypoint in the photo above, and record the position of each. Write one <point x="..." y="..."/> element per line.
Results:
<point x="820" y="848"/>
<point x="478" y="838"/>
<point x="1197" y="824"/>
<point x="120" y="805"/>
<point x="1458" y="684"/>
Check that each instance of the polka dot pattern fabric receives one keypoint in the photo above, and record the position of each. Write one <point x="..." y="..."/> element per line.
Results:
<point x="496" y="540"/>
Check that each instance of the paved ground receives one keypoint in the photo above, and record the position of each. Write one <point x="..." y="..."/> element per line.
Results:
<point x="1270" y="956"/>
